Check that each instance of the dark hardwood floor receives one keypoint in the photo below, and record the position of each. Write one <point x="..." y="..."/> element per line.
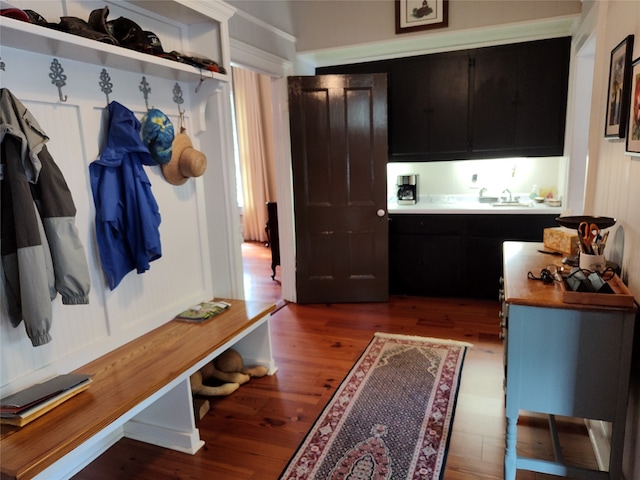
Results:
<point x="252" y="433"/>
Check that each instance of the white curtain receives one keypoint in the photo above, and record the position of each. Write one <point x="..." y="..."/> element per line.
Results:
<point x="254" y="125"/>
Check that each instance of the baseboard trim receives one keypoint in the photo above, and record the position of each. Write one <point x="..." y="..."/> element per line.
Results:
<point x="599" y="434"/>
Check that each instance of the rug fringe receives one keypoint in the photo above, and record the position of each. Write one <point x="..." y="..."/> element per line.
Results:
<point x="426" y="339"/>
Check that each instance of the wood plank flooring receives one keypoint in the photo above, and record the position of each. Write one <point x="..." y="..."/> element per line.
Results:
<point x="252" y="433"/>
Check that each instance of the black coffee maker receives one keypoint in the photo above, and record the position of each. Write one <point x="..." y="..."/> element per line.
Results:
<point x="407" y="189"/>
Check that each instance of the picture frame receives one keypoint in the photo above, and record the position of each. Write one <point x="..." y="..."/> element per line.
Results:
<point x="633" y="119"/>
<point x="618" y="89"/>
<point x="418" y="15"/>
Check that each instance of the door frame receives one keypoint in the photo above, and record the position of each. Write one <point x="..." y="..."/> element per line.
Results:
<point x="284" y="188"/>
<point x="278" y="69"/>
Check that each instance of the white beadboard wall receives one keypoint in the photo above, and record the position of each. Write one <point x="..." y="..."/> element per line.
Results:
<point x="141" y="302"/>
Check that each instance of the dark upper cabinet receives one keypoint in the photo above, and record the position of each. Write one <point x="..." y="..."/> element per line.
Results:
<point x="518" y="99"/>
<point x="494" y="99"/>
<point x="491" y="102"/>
<point x="429" y="98"/>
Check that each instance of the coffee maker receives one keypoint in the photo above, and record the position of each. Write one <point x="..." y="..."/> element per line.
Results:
<point x="407" y="189"/>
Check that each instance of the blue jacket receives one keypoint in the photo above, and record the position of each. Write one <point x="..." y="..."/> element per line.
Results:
<point x="127" y="215"/>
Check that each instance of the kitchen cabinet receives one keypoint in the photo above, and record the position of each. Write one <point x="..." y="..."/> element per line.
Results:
<point x="519" y="96"/>
<point x="429" y="97"/>
<point x="491" y="102"/>
<point x="561" y="360"/>
<point x="425" y="256"/>
<point x="455" y="255"/>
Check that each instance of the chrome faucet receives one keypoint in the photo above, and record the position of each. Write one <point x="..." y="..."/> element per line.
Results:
<point x="482" y="191"/>
<point x="510" y="199"/>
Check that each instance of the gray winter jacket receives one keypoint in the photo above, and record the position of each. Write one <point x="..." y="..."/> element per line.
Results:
<point x="40" y="248"/>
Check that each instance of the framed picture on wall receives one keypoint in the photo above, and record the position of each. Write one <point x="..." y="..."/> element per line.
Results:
<point x="415" y="15"/>
<point x="633" y="124"/>
<point x="618" y="91"/>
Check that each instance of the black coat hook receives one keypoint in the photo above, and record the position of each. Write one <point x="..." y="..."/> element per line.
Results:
<point x="145" y="89"/>
<point x="58" y="78"/>
<point x="106" y="86"/>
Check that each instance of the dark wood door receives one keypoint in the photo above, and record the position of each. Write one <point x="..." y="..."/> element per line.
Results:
<point x="339" y="155"/>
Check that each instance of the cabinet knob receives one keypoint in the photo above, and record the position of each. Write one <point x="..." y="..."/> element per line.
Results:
<point x="380" y="213"/>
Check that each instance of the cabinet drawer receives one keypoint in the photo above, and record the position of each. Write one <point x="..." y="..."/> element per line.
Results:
<point x="528" y="227"/>
<point x="426" y="224"/>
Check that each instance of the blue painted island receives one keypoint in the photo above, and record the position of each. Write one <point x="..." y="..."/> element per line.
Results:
<point x="563" y="359"/>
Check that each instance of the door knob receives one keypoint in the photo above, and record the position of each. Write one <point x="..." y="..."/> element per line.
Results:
<point x="380" y="213"/>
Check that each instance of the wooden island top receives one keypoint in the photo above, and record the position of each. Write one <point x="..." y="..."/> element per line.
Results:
<point x="523" y="257"/>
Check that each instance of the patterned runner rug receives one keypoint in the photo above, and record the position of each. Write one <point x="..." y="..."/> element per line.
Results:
<point x="390" y="418"/>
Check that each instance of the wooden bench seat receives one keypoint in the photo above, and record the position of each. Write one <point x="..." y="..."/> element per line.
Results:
<point x="140" y="390"/>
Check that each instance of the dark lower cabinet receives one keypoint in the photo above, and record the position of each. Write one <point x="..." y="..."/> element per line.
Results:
<point x="419" y="264"/>
<point x="455" y="255"/>
<point x="483" y="266"/>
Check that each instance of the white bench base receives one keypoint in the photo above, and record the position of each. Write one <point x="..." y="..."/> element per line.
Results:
<point x="166" y="418"/>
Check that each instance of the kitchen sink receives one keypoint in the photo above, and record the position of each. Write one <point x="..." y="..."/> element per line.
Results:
<point x="488" y="199"/>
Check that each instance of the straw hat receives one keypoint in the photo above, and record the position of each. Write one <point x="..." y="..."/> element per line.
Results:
<point x="186" y="161"/>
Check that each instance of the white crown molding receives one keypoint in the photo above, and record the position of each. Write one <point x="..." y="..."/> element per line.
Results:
<point x="411" y="45"/>
<point x="215" y="9"/>
<point x="247" y="55"/>
<point x="276" y="31"/>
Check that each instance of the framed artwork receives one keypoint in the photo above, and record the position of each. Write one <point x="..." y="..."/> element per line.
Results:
<point x="633" y="124"/>
<point x="618" y="91"/>
<point x="415" y="15"/>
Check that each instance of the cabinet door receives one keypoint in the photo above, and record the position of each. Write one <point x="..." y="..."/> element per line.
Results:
<point x="483" y="266"/>
<point x="425" y="255"/>
<point x="428" y="110"/>
<point x="428" y="107"/>
<point x="519" y="99"/>
<point x="543" y="72"/>
<point x="493" y="111"/>
<point x="483" y="252"/>
<point x="448" y="104"/>
<point x="409" y="107"/>
<point x="425" y="265"/>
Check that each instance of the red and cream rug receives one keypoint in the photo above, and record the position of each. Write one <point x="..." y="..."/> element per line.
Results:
<point x="390" y="418"/>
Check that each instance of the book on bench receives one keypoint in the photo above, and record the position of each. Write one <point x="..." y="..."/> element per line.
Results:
<point x="204" y="311"/>
<point x="26" y="405"/>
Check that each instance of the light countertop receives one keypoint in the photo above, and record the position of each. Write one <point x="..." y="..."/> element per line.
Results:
<point x="466" y="204"/>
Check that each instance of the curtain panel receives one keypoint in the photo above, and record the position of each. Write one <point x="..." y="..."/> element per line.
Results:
<point x="254" y="126"/>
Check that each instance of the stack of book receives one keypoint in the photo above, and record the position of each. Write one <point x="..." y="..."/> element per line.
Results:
<point x="28" y="404"/>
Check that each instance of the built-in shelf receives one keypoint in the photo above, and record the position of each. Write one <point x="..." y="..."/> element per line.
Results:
<point x="38" y="39"/>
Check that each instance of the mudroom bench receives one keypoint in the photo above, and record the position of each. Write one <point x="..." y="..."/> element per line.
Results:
<point x="140" y="390"/>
